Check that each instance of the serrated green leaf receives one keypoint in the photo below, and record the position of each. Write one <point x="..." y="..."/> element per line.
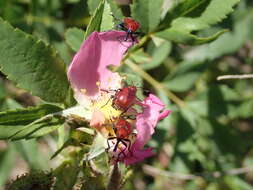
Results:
<point x="233" y="40"/>
<point x="116" y="11"/>
<point x="26" y="115"/>
<point x="31" y="64"/>
<point x="181" y="9"/>
<point x="147" y="12"/>
<point x="184" y="77"/>
<point x="181" y="28"/>
<point x="96" y="19"/>
<point x="17" y="120"/>
<point x="107" y="19"/>
<point x="74" y="38"/>
<point x="92" y="5"/>
<point x="187" y="38"/>
<point x="114" y="8"/>
<point x="213" y="13"/>
<point x="38" y="128"/>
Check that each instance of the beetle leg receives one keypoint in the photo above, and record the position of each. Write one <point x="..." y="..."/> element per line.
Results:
<point x="116" y="146"/>
<point x="108" y="144"/>
<point x="127" y="36"/>
<point x="121" y="26"/>
<point x="122" y="152"/>
<point x="132" y="37"/>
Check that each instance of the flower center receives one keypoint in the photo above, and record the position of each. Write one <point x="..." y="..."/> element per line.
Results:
<point x="104" y="105"/>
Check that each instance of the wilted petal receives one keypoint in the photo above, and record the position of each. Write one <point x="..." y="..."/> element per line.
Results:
<point x="164" y="114"/>
<point x="147" y="120"/>
<point x="89" y="66"/>
<point x="138" y="155"/>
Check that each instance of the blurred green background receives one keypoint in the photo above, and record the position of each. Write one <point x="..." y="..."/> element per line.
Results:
<point x="207" y="144"/>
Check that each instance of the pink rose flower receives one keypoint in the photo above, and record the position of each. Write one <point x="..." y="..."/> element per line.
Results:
<point x="94" y="85"/>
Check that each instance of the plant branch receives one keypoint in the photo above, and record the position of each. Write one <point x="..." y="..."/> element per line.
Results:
<point x="150" y="170"/>
<point x="136" y="47"/>
<point x="154" y="83"/>
<point x="245" y="76"/>
<point x="115" y="178"/>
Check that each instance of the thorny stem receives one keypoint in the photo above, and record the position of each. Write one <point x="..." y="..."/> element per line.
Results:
<point x="155" y="83"/>
<point x="115" y="178"/>
<point x="245" y="76"/>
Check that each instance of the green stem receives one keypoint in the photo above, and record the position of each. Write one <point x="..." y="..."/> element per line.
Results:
<point x="154" y="83"/>
<point x="114" y="181"/>
<point x="136" y="47"/>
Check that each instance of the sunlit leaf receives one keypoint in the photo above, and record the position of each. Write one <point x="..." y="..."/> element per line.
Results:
<point x="32" y="64"/>
<point x="181" y="28"/>
<point x="107" y="19"/>
<point x="74" y="37"/>
<point x="96" y="19"/>
<point x="147" y="12"/>
<point x="11" y="122"/>
<point x="226" y="44"/>
<point x="181" y="36"/>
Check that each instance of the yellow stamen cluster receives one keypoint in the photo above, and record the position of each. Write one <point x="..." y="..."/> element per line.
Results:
<point x="104" y="105"/>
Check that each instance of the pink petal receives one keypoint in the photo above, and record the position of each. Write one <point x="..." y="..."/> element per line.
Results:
<point x="89" y="65"/>
<point x="147" y="120"/>
<point x="97" y="119"/>
<point x="164" y="114"/>
<point x="138" y="155"/>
